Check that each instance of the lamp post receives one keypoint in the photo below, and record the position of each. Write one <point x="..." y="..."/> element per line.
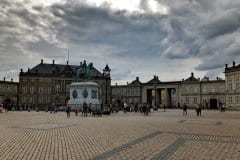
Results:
<point x="106" y="74"/>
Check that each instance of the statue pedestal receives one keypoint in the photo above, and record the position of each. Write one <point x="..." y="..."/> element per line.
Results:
<point x="81" y="92"/>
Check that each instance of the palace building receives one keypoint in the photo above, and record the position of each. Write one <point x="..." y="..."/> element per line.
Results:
<point x="232" y="86"/>
<point x="8" y="91"/>
<point x="49" y="84"/>
<point x="192" y="91"/>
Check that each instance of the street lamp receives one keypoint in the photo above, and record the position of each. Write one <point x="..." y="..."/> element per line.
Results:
<point x="106" y="74"/>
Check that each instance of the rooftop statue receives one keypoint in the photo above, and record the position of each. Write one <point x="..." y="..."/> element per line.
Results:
<point x="85" y="70"/>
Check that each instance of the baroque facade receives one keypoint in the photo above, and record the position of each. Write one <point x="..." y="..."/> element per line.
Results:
<point x="8" y="91"/>
<point x="49" y="84"/>
<point x="232" y="86"/>
<point x="209" y="93"/>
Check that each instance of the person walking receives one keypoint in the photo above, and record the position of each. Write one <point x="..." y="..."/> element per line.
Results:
<point x="85" y="109"/>
<point x="68" y="109"/>
<point x="184" y="109"/>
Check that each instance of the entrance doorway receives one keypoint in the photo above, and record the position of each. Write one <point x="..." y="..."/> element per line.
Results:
<point x="213" y="104"/>
<point x="149" y="96"/>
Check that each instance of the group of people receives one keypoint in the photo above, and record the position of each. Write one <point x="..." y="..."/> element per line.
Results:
<point x="85" y="110"/>
<point x="198" y="109"/>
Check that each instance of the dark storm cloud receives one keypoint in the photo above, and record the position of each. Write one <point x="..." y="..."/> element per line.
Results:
<point x="101" y="26"/>
<point x="207" y="30"/>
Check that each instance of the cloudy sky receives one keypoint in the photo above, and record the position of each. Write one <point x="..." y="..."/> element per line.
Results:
<point x="167" y="38"/>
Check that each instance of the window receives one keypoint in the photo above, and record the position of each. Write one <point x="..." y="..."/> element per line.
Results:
<point x="41" y="90"/>
<point x="68" y="88"/>
<point x="238" y="99"/>
<point x="32" y="89"/>
<point x="230" y="86"/>
<point x="238" y="86"/>
<point x="24" y="89"/>
<point x="187" y="100"/>
<point x="230" y="99"/>
<point x="40" y="100"/>
<point x="31" y="99"/>
<point x="23" y="99"/>
<point x="15" y="90"/>
<point x="195" y="99"/>
<point x="48" y="99"/>
<point x="48" y="90"/>
<point x="57" y="88"/>
<point x="221" y="87"/>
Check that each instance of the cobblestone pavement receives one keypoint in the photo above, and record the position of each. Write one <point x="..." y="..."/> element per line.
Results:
<point x="161" y="135"/>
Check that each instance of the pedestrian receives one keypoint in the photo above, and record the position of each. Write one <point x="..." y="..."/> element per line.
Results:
<point x="198" y="110"/>
<point x="68" y="109"/>
<point x="85" y="109"/>
<point x="184" y="109"/>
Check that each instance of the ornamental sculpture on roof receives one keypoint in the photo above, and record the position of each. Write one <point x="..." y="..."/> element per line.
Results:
<point x="85" y="70"/>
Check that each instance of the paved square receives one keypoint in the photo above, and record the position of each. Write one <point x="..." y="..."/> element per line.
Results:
<point x="161" y="135"/>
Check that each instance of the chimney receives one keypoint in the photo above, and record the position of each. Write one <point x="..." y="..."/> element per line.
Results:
<point x="116" y="84"/>
<point x="67" y="62"/>
<point x="53" y="62"/>
<point x="4" y="79"/>
<point x="41" y="61"/>
<point x="11" y="80"/>
<point x="192" y="74"/>
<point x="182" y="79"/>
<point x="21" y="70"/>
<point x="137" y="78"/>
<point x="233" y="63"/>
<point x="226" y="65"/>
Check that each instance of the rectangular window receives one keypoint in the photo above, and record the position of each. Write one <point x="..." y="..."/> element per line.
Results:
<point x="57" y="88"/>
<point x="32" y="89"/>
<point x="23" y="99"/>
<point x="31" y="99"/>
<point x="187" y="100"/>
<point x="48" y="90"/>
<point x="40" y="100"/>
<point x="230" y="86"/>
<point x="68" y="88"/>
<point x="238" y="86"/>
<point x="48" y="99"/>
<point x="195" y="99"/>
<point x="41" y="90"/>
<point x="238" y="99"/>
<point x="15" y="90"/>
<point x="24" y="89"/>
<point x="230" y="99"/>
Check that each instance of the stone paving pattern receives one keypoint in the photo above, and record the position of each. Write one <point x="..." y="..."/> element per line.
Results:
<point x="161" y="135"/>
